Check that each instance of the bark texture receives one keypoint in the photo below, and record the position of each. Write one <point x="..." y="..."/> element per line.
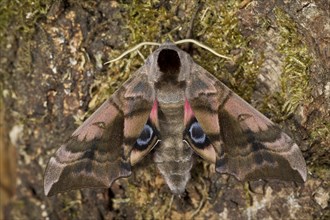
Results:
<point x="53" y="75"/>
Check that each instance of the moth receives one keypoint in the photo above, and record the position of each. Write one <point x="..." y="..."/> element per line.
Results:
<point x="176" y="110"/>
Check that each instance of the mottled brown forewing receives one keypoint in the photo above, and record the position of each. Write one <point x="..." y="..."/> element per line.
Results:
<point x="97" y="153"/>
<point x="248" y="145"/>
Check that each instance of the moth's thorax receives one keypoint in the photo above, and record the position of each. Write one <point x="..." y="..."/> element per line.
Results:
<point x="169" y="95"/>
<point x="168" y="64"/>
<point x="173" y="156"/>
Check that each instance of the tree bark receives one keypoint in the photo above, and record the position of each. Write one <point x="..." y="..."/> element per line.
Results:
<point x="53" y="76"/>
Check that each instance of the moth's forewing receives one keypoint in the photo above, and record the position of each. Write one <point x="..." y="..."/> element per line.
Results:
<point x="248" y="145"/>
<point x="98" y="152"/>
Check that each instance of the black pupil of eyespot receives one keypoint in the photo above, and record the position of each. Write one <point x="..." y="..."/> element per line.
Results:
<point x="196" y="133"/>
<point x="145" y="137"/>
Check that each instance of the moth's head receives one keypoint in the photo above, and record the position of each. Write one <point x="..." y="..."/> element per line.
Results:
<point x="168" y="62"/>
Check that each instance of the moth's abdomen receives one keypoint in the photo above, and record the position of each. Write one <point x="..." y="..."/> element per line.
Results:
<point x="176" y="174"/>
<point x="174" y="163"/>
<point x="173" y="156"/>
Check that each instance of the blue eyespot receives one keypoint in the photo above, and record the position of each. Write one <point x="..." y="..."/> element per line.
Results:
<point x="196" y="133"/>
<point x="145" y="137"/>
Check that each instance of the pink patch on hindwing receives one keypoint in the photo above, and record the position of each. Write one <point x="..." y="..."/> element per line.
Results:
<point x="188" y="113"/>
<point x="154" y="114"/>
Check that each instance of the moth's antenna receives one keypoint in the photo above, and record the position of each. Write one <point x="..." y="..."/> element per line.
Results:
<point x="203" y="46"/>
<point x="131" y="50"/>
<point x="177" y="42"/>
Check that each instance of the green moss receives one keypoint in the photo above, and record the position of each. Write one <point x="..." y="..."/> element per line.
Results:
<point x="321" y="128"/>
<point x="24" y="19"/>
<point x="294" y="79"/>
<point x="143" y="14"/>
<point x="319" y="141"/>
<point x="70" y="207"/>
<point x="217" y="26"/>
<point x="296" y="89"/>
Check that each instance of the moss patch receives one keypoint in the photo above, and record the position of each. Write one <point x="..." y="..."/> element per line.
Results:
<point x="218" y="26"/>
<point x="294" y="79"/>
<point x="25" y="18"/>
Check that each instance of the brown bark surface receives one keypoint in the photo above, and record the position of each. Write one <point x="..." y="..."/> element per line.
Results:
<point x="53" y="75"/>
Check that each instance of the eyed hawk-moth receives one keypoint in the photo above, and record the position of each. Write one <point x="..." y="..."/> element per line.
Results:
<point x="173" y="108"/>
